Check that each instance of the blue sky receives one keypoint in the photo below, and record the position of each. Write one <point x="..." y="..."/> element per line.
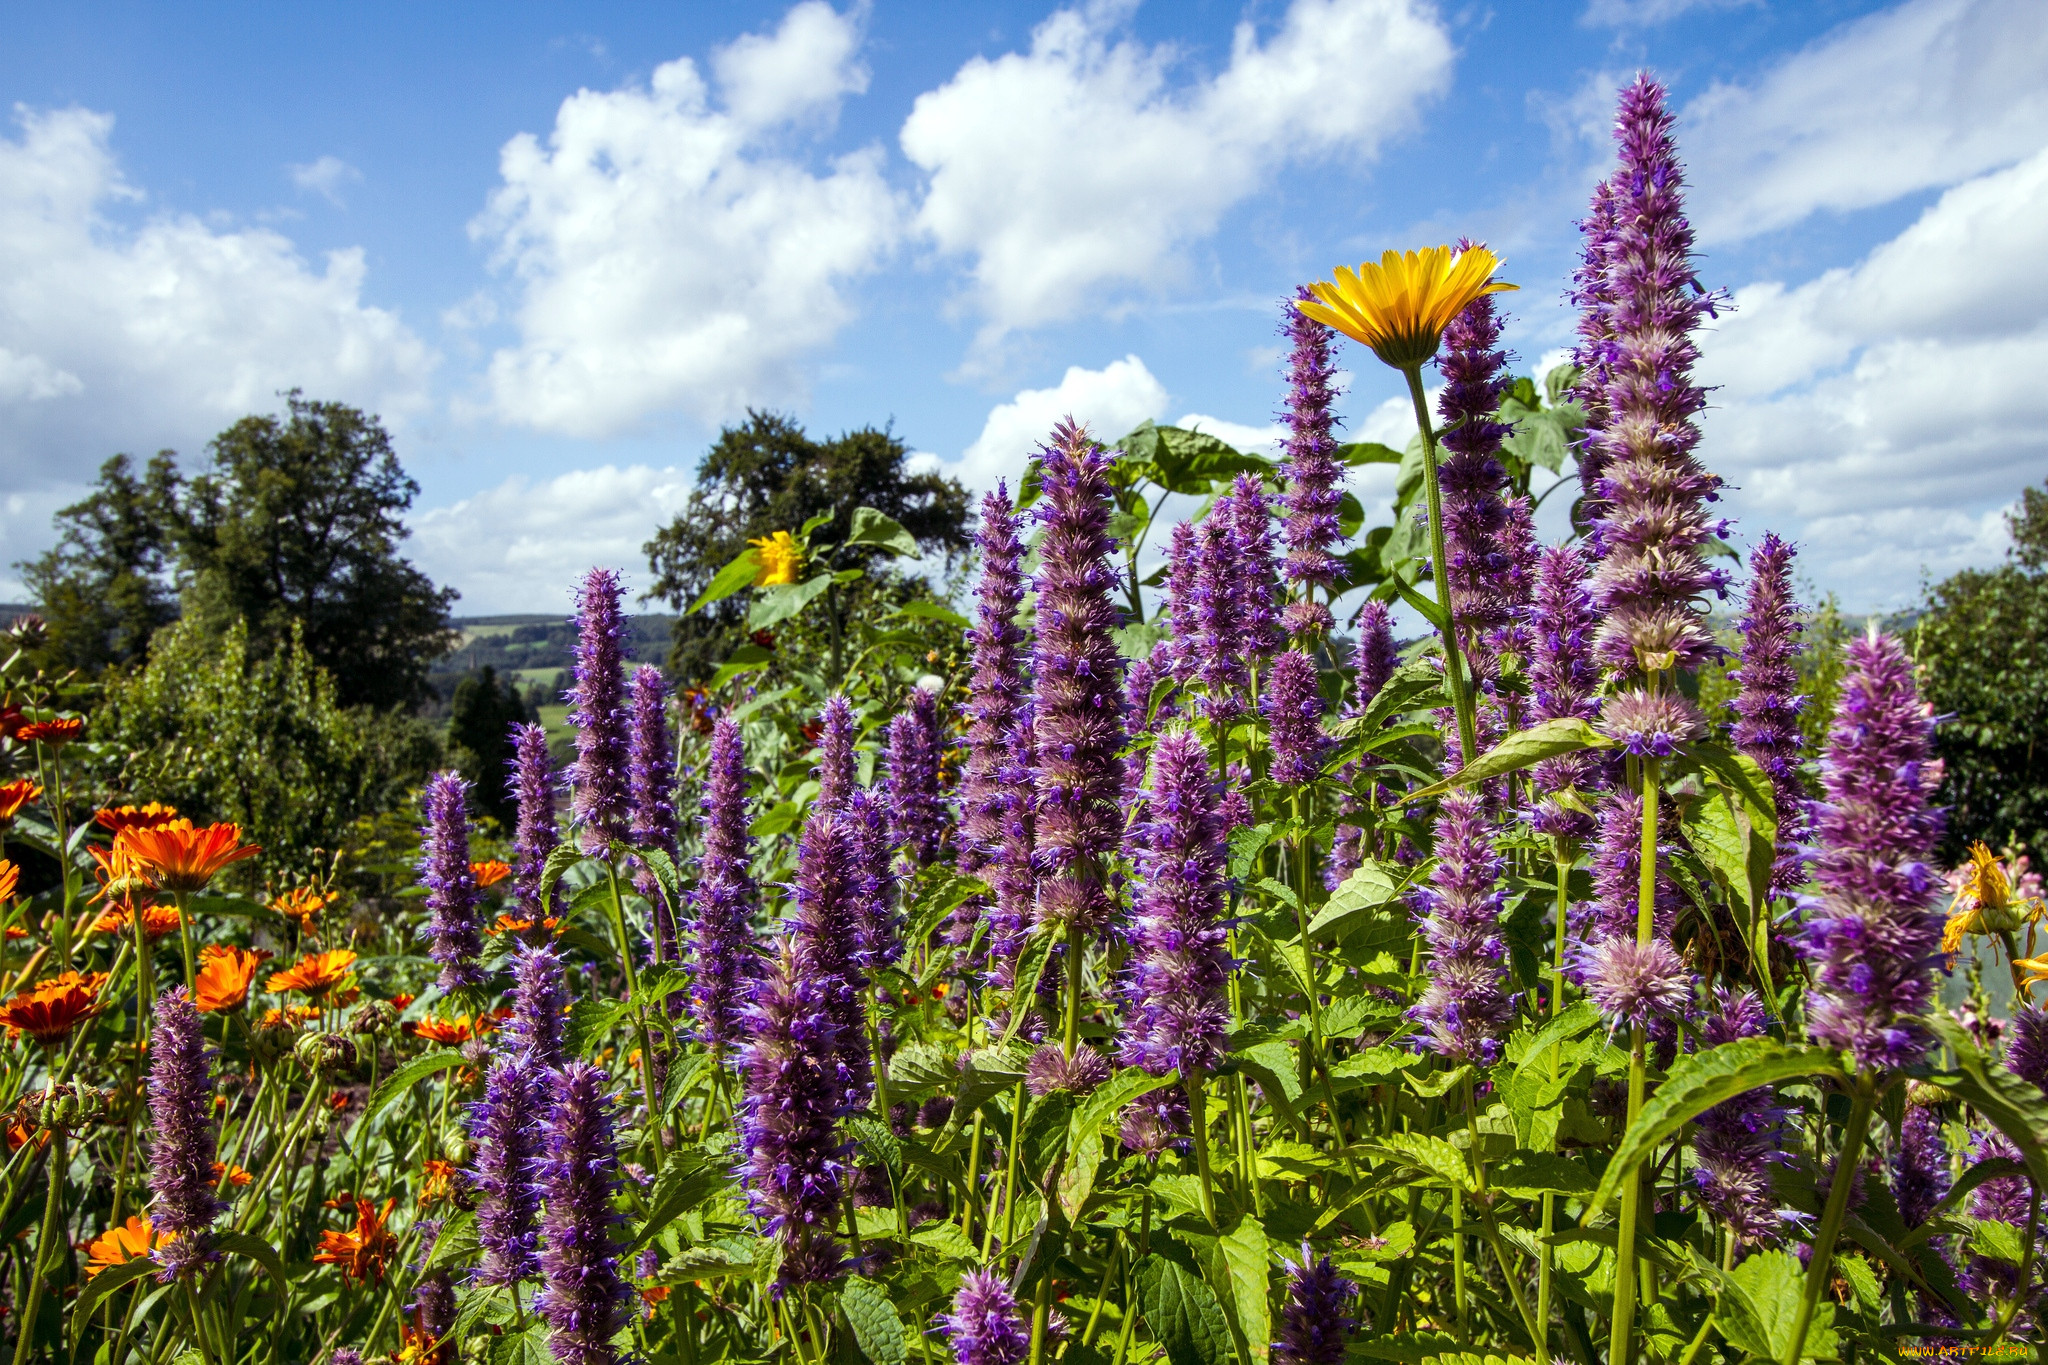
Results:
<point x="558" y="246"/>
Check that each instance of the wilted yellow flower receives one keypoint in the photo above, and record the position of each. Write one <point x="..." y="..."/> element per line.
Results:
<point x="1984" y="902"/>
<point x="780" y="557"/>
<point x="2035" y="969"/>
<point x="1401" y="306"/>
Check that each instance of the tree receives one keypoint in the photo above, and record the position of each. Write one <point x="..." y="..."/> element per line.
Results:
<point x="106" y="587"/>
<point x="297" y="521"/>
<point x="1983" y="649"/>
<point x="766" y="475"/>
<point x="481" y="716"/>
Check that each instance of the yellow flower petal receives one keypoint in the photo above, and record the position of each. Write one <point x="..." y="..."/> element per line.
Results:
<point x="780" y="557"/>
<point x="1400" y="305"/>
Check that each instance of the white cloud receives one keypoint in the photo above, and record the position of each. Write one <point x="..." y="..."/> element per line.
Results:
<point x="159" y="335"/>
<point x="522" y="546"/>
<point x="1893" y="406"/>
<point x="325" y="177"/>
<point x="669" y="258"/>
<point x="1648" y="13"/>
<point x="1081" y="169"/>
<point x="1263" y="440"/>
<point x="1923" y="95"/>
<point x="1109" y="402"/>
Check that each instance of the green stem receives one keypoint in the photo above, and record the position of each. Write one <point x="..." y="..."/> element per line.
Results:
<point x="1041" y="1313"/>
<point x="1072" y="1038"/>
<point x="1458" y="1265"/>
<point x="1454" y="666"/>
<point x="184" y="942"/>
<point x="1863" y="1095"/>
<point x="53" y="1204"/>
<point x="1624" y="1316"/>
<point x="1198" y="1121"/>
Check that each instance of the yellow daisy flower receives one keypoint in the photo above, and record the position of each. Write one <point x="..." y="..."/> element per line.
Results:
<point x="1400" y="306"/>
<point x="780" y="556"/>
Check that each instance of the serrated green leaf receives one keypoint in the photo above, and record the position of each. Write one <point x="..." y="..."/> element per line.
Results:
<point x="105" y="1283"/>
<point x="878" y="528"/>
<point x="686" y="1180"/>
<point x="1771" y="1285"/>
<point x="560" y="859"/>
<point x="1246" y="1259"/>
<point x="873" y="1319"/>
<point x="1565" y="735"/>
<point x="2013" y="1105"/>
<point x="1361" y="897"/>
<point x="590" y="1020"/>
<point x="778" y="602"/>
<point x="1185" y="1317"/>
<point x="1431" y="1155"/>
<point x="408" y="1076"/>
<point x="1247" y="842"/>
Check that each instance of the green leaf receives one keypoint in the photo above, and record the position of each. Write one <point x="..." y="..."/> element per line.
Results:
<point x="560" y="859"/>
<point x="1084" y="1131"/>
<point x="1565" y="735"/>
<point x="408" y="1076"/>
<point x="1734" y="851"/>
<point x="1699" y="1082"/>
<point x="2013" y="1105"/>
<point x="1430" y="1155"/>
<point x="1526" y="1175"/>
<point x="1410" y="1348"/>
<point x="1370" y="888"/>
<point x="1245" y="1260"/>
<point x="456" y="1243"/>
<point x="1356" y="454"/>
<point x="1769" y="1287"/>
<point x="878" y="528"/>
<point x="590" y="1020"/>
<point x="934" y="611"/>
<point x="686" y="1180"/>
<point x="105" y="1283"/>
<point x="1182" y="1312"/>
<point x="778" y="602"/>
<point x="739" y="574"/>
<point x="1030" y="966"/>
<point x="1247" y="842"/>
<point x="873" y="1318"/>
<point x="1989" y="1237"/>
<point x="257" y="1250"/>
<point x="1426" y="609"/>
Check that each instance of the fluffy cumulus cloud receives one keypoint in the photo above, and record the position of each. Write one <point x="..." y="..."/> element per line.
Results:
<point x="159" y="334"/>
<point x="1080" y="169"/>
<point x="670" y="252"/>
<point x="1889" y="409"/>
<point x="1109" y="402"/>
<point x="522" y="545"/>
<point x="1920" y="96"/>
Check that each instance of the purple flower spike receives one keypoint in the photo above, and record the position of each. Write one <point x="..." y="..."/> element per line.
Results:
<point x="1377" y="658"/>
<point x="1565" y="681"/>
<point x="582" y="1295"/>
<point x="1014" y="874"/>
<point x="2027" y="1055"/>
<point x="539" y="1000"/>
<point x="790" y="1162"/>
<point x="1219" y="645"/>
<point x="1652" y="724"/>
<point x="1179" y="967"/>
<point x="1316" y="1317"/>
<point x="1050" y="1071"/>
<point x="1920" y="1169"/>
<point x="1294" y="712"/>
<point x="835" y="771"/>
<point x="1873" y="935"/>
<point x="1314" y="478"/>
<point x="997" y="691"/>
<point x="1617" y="872"/>
<point x="1767" y="708"/>
<point x="651" y="782"/>
<point x="453" y="932"/>
<point x="1633" y="984"/>
<point x="183" y="1204"/>
<point x="726" y="957"/>
<point x="1653" y="492"/>
<point x="1740" y="1139"/>
<point x="433" y="1307"/>
<point x="917" y="816"/>
<point x="880" y="935"/>
<point x="1592" y="293"/>
<point x="986" y="1327"/>
<point x="599" y="801"/>
<point x="1183" y="599"/>
<point x="504" y="1133"/>
<point x="1465" y="1010"/>
<point x="828" y="936"/>
<point x="1475" y="511"/>
<point x="1257" y="586"/>
<point x="533" y="789"/>
<point x="1080" y="676"/>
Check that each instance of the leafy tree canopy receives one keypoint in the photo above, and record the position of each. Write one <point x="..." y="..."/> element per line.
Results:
<point x="105" y="588"/>
<point x="767" y="475"/>
<point x="480" y="719"/>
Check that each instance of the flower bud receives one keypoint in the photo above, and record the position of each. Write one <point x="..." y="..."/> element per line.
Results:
<point x="327" y="1053"/>
<point x="373" y="1017"/>
<point x="271" y="1041"/>
<point x="455" y="1147"/>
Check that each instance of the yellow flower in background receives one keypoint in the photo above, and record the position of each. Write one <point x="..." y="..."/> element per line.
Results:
<point x="780" y="558"/>
<point x="1401" y="306"/>
<point x="1984" y="902"/>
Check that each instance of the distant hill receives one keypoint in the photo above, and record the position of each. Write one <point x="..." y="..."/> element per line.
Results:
<point x="536" y="647"/>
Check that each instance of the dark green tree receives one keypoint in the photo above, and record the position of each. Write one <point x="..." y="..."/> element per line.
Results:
<point x="107" y="586"/>
<point x="766" y="475"/>
<point x="481" y="716"/>
<point x="1983" y="649"/>
<point x="297" y="521"/>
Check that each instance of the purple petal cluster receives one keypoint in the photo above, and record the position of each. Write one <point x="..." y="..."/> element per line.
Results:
<point x="1079" y="677"/>
<point x="1050" y="1071"/>
<point x="1592" y="293"/>
<point x="534" y="838"/>
<point x="1564" y="680"/>
<point x="879" y="937"/>
<point x="1377" y="657"/>
<point x="1293" y="707"/>
<point x="986" y="1327"/>
<point x="1014" y="871"/>
<point x="1768" y="705"/>
<point x="1651" y="724"/>
<point x="1635" y="984"/>
<point x="1920" y="1166"/>
<point x="1184" y="560"/>
<point x="1256" y="585"/>
<point x="582" y="1296"/>
<point x="651" y="784"/>
<point x="1175" y="1013"/>
<point x="182" y="1203"/>
<point x="1464" y="1012"/>
<point x="1617" y="876"/>
<point x="1219" y="657"/>
<point x="504" y="1135"/>
<point x="433" y="1308"/>
<point x="1873" y="936"/>
<point x="1316" y="1317"/>
<point x="1313" y="477"/>
<point x="453" y="931"/>
<point x="1739" y="1140"/>
<point x="1474" y="485"/>
<point x="835" y="771"/>
<point x="540" y="998"/>
<point x="917" y="815"/>
<point x="997" y="688"/>
<point x="2026" y="1056"/>
<point x="826" y="930"/>
<point x="600" y="804"/>
<point x="726" y="958"/>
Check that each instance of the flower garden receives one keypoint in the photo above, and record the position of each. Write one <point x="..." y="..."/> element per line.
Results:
<point x="1239" y="985"/>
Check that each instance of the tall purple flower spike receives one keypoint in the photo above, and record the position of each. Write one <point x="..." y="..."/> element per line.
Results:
<point x="1293" y="708"/>
<point x="2027" y="1055"/>
<point x="453" y="931"/>
<point x="996" y="690"/>
<point x="182" y="1204"/>
<point x="1314" y="478"/>
<point x="1475" y="511"/>
<point x="1183" y="599"/>
<point x="651" y="783"/>
<point x="1564" y="680"/>
<point x="879" y="936"/>
<point x="1767" y="708"/>
<point x="828" y="936"/>
<point x="1372" y="664"/>
<point x="1654" y="493"/>
<point x="1079" y="674"/>
<point x="1013" y="874"/>
<point x="1175" y="1011"/>
<point x="1257" y="585"/>
<point x="1617" y="871"/>
<point x="1316" y="1316"/>
<point x="536" y="834"/>
<point x="1592" y="293"/>
<point x="1874" y="935"/>
<point x="600" y="803"/>
<point x="504" y="1134"/>
<point x="986" y="1327"/>
<point x="835" y="771"/>
<point x="540" y="999"/>
<point x="917" y="815"/>
<point x="794" y="1093"/>
<point x="582" y="1295"/>
<point x="1920" y="1167"/>
<point x="1740" y="1139"/>
<point x="726" y="957"/>
<point x="1465" y="1010"/>
<point x="1218" y="644"/>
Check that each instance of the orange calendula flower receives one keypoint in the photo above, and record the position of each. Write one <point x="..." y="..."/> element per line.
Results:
<point x="235" y="1176"/>
<point x="507" y="924"/>
<point x="55" y="733"/>
<point x="1984" y="902"/>
<point x="490" y="873"/>
<point x="14" y="795"/>
<point x="303" y="904"/>
<point x="157" y="920"/>
<point x="49" y="1010"/>
<point x="10" y="877"/>
<point x="224" y="977"/>
<point x="437" y="1182"/>
<point x="18" y="1134"/>
<point x="1400" y="304"/>
<point x="290" y="1018"/>
<point x="315" y="975"/>
<point x="15" y="931"/>
<point x="114" y="819"/>
<point x="447" y="1032"/>
<point x="182" y="857"/>
<point x="401" y="1000"/>
<point x="416" y="1346"/>
<point x="364" y="1250"/>
<point x="118" y="1246"/>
